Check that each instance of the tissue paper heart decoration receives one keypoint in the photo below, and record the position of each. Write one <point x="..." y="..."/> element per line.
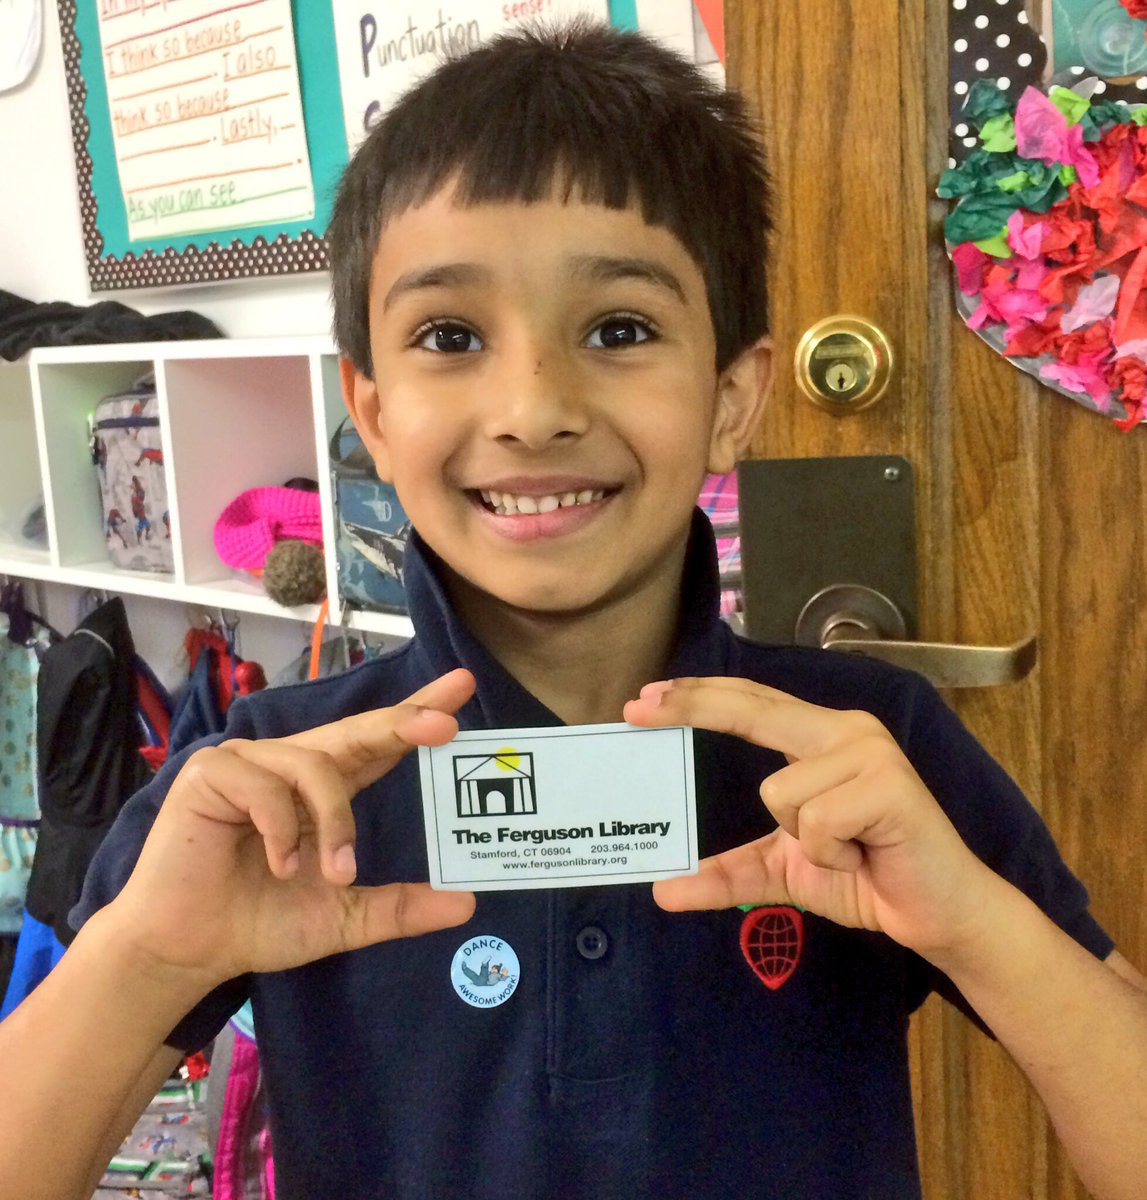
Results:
<point x="1048" y="238"/>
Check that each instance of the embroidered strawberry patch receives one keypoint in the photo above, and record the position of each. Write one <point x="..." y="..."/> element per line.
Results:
<point x="772" y="937"/>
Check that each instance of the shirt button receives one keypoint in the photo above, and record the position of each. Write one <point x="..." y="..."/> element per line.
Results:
<point x="592" y="942"/>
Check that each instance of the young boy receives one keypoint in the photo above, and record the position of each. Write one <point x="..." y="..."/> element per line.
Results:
<point x="550" y="295"/>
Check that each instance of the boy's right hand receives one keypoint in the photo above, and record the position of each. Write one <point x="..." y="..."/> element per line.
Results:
<point x="250" y="862"/>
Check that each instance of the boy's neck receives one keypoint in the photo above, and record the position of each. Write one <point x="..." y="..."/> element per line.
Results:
<point x="582" y="666"/>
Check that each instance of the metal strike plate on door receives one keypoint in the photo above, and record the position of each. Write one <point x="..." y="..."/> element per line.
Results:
<point x="828" y="558"/>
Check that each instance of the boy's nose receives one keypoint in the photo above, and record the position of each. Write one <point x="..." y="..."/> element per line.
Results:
<point x="535" y="402"/>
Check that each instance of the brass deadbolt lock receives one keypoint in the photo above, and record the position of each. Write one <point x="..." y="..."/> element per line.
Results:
<point x="843" y="364"/>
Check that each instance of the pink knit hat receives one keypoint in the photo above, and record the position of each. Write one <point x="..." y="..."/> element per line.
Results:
<point x="256" y="519"/>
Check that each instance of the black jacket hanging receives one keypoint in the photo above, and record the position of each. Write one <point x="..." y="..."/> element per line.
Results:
<point x="89" y="763"/>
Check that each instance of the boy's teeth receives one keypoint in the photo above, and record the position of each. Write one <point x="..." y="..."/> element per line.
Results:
<point x="507" y="504"/>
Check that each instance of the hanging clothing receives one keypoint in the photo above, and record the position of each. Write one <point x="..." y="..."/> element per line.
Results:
<point x="19" y="666"/>
<point x="7" y="960"/>
<point x="87" y="740"/>
<point x="23" y="639"/>
<point x="218" y="675"/>
<point x="17" y="849"/>
<point x="37" y="952"/>
<point x="19" y="804"/>
<point x="238" y="1117"/>
<point x="153" y="710"/>
<point x="19" y="807"/>
<point x="336" y="654"/>
<point x="86" y="744"/>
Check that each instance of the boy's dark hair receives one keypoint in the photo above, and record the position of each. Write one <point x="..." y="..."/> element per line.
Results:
<point x="611" y="115"/>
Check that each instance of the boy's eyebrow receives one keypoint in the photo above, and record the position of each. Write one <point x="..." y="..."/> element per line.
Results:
<point x="446" y="275"/>
<point x="604" y="269"/>
<point x="599" y="268"/>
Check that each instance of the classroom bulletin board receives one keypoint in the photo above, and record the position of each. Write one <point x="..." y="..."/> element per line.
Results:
<point x="210" y="135"/>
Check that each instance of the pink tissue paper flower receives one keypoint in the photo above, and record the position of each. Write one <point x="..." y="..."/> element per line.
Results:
<point x="1042" y="132"/>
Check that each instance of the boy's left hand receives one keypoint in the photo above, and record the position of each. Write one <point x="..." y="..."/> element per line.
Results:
<point x="861" y="840"/>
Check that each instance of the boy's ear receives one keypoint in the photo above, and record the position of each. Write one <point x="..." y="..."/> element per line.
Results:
<point x="742" y="391"/>
<point x="360" y="395"/>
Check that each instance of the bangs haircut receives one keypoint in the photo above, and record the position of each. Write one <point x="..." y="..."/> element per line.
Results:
<point x="581" y="111"/>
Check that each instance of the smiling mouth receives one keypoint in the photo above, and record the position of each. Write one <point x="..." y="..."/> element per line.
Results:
<point x="507" y="504"/>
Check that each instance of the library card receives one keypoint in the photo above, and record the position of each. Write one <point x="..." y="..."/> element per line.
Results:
<point x="571" y="806"/>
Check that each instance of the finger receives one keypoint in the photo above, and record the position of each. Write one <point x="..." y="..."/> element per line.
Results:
<point x="395" y="910"/>
<point x="365" y="746"/>
<point x="448" y="692"/>
<point x="224" y="786"/>
<point x="836" y="826"/>
<point x="827" y="829"/>
<point x="323" y="794"/>
<point x="749" y="874"/>
<point x="752" y="711"/>
<point x="785" y="791"/>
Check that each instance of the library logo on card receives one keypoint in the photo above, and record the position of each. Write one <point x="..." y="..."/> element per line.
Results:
<point x="495" y="785"/>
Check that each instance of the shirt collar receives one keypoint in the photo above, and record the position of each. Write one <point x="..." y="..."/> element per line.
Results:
<point x="443" y="642"/>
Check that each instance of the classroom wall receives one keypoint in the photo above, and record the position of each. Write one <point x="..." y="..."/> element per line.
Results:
<point x="42" y="258"/>
<point x="41" y="246"/>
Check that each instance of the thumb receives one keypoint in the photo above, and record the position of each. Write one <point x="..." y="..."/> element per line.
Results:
<point x="750" y="874"/>
<point x="398" y="910"/>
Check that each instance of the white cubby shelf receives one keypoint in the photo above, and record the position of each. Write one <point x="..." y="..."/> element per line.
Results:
<point x="234" y="414"/>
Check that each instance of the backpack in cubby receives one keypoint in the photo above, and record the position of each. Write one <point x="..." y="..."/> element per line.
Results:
<point x="371" y="528"/>
<point x="127" y="449"/>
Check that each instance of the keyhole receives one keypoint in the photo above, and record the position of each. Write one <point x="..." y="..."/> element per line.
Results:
<point x="841" y="377"/>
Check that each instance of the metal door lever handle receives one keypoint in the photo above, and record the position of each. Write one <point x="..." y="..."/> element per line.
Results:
<point x="946" y="665"/>
<point x="859" y="620"/>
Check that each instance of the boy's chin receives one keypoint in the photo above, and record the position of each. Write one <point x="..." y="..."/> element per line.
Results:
<point x="543" y="603"/>
<point x="561" y="599"/>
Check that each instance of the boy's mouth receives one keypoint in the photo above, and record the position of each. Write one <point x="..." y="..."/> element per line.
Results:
<point x="509" y="504"/>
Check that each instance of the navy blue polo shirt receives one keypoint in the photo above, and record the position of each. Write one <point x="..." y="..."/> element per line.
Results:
<point x="639" y="1056"/>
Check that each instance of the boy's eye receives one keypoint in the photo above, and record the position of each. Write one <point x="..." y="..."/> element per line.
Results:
<point x="618" y="332"/>
<point x="447" y="337"/>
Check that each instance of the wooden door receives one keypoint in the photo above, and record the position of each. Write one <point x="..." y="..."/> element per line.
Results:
<point x="1032" y="510"/>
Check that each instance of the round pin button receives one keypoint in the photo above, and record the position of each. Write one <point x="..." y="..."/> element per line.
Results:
<point x="592" y="942"/>
<point x="485" y="971"/>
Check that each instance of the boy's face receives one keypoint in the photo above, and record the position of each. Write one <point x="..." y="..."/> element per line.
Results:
<point x="545" y="399"/>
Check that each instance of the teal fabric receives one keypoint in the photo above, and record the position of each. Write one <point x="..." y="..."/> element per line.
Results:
<point x="19" y="667"/>
<point x="17" y="849"/>
<point x="244" y="1020"/>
